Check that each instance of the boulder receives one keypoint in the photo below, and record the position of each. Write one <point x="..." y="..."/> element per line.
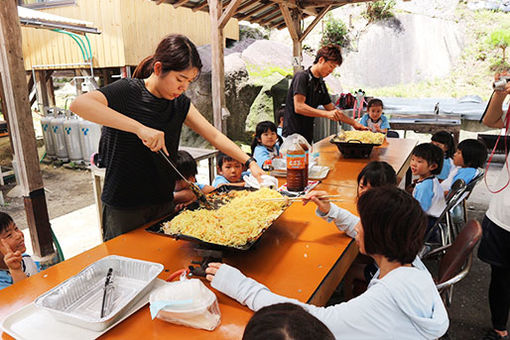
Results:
<point x="239" y="93"/>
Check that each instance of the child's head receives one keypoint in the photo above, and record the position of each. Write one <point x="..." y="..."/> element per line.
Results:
<point x="265" y="134"/>
<point x="426" y="160"/>
<point x="229" y="168"/>
<point x="471" y="153"/>
<point x="385" y="212"/>
<point x="375" y="108"/>
<point x="280" y="114"/>
<point x="187" y="167"/>
<point x="445" y="141"/>
<point x="10" y="234"/>
<point x="376" y="174"/>
<point x="285" y="321"/>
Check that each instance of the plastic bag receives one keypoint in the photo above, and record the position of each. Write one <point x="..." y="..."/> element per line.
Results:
<point x="267" y="182"/>
<point x="293" y="139"/>
<point x="187" y="302"/>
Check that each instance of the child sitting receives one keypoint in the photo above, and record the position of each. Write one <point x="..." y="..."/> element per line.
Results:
<point x="401" y="302"/>
<point x="230" y="171"/>
<point x="374" y="174"/>
<point x="264" y="146"/>
<point x="14" y="264"/>
<point x="426" y="162"/>
<point x="279" y="118"/>
<point x="188" y="168"/>
<point x="444" y="140"/>
<point x="470" y="155"/>
<point x="374" y="119"/>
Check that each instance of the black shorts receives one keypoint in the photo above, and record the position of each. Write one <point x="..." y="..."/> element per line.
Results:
<point x="495" y="246"/>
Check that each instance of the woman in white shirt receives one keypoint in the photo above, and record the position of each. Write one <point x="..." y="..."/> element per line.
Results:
<point x="401" y="302"/>
<point x="495" y="245"/>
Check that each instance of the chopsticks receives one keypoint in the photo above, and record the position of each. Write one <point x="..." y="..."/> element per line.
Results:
<point x="106" y="293"/>
<point x="300" y="198"/>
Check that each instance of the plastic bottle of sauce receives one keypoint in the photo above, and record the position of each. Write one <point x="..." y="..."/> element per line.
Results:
<point x="307" y="161"/>
<point x="296" y="165"/>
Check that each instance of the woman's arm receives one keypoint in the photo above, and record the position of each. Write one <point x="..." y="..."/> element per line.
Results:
<point x="494" y="112"/>
<point x="200" y="125"/>
<point x="93" y="106"/>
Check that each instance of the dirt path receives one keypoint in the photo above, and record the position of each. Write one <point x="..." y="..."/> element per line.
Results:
<point x="66" y="191"/>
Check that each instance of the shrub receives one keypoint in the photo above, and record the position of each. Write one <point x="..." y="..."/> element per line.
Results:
<point x="335" y="32"/>
<point x="379" y="10"/>
<point x="500" y="39"/>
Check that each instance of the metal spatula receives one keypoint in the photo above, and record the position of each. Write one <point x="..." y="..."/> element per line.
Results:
<point x="196" y="190"/>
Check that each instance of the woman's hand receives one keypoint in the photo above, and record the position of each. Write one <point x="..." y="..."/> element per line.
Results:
<point x="153" y="139"/>
<point x="11" y="258"/>
<point x="211" y="270"/>
<point x="256" y="171"/>
<point x="316" y="197"/>
<point x="359" y="126"/>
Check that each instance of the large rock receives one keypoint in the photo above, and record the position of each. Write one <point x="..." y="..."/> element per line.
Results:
<point x="410" y="49"/>
<point x="239" y="93"/>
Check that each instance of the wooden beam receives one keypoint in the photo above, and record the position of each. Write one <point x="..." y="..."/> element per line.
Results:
<point x="228" y="12"/>
<point x="254" y="11"/>
<point x="180" y="3"/>
<point x="289" y="22"/>
<point x="217" y="65"/>
<point x="42" y="89"/>
<point x="199" y="7"/>
<point x="21" y="129"/>
<point x="271" y="11"/>
<point x="322" y="3"/>
<point x="272" y="18"/>
<point x="315" y="22"/>
<point x="247" y="5"/>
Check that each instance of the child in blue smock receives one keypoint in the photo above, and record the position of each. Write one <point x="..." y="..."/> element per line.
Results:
<point x="426" y="163"/>
<point x="375" y="119"/>
<point x="445" y="141"/>
<point x="265" y="144"/>
<point x="187" y="166"/>
<point x="15" y="265"/>
<point x="471" y="154"/>
<point x="230" y="171"/>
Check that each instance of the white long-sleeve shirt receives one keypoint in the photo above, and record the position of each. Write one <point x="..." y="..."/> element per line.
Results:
<point x="404" y="304"/>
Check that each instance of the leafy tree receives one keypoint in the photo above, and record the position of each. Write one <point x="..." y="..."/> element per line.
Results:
<point x="500" y="39"/>
<point x="379" y="10"/>
<point x="335" y="32"/>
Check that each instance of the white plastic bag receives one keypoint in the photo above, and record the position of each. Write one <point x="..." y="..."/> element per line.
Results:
<point x="267" y="182"/>
<point x="187" y="302"/>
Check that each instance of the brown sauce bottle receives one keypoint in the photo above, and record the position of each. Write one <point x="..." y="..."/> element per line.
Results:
<point x="296" y="168"/>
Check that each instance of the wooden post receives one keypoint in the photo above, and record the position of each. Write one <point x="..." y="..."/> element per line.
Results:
<point x="42" y="90"/>
<point x="293" y="22"/>
<point x="50" y="90"/>
<point x="217" y="64"/>
<point x="22" y="130"/>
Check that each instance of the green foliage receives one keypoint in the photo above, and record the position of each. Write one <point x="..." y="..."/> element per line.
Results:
<point x="335" y="32"/>
<point x="258" y="33"/>
<point x="266" y="71"/>
<point x="500" y="39"/>
<point x="379" y="10"/>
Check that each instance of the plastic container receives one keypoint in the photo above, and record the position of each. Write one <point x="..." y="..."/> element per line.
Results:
<point x="189" y="303"/>
<point x="90" y="133"/>
<point x="296" y="168"/>
<point x="49" y="144"/>
<point x="78" y="300"/>
<point x="57" y="129"/>
<point x="72" y="137"/>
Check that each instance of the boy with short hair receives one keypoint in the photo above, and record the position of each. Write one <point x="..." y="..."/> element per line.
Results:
<point x="14" y="264"/>
<point x="426" y="163"/>
<point x="230" y="171"/>
<point x="187" y="166"/>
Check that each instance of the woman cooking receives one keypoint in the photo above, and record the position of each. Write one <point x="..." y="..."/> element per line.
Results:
<point x="142" y="115"/>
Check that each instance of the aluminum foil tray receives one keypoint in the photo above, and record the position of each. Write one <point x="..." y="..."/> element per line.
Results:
<point x="78" y="299"/>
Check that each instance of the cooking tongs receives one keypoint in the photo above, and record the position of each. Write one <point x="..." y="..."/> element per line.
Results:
<point x="194" y="188"/>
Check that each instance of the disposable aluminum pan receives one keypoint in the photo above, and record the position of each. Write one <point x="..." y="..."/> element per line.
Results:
<point x="78" y="300"/>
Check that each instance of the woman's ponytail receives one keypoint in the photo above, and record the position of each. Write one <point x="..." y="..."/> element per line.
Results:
<point x="144" y="69"/>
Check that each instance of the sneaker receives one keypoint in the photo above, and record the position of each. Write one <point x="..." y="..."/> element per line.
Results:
<point x="492" y="335"/>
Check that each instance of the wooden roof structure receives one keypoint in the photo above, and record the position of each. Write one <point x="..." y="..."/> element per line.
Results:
<point x="277" y="14"/>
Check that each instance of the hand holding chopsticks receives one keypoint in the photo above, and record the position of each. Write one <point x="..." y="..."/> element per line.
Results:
<point x="320" y="198"/>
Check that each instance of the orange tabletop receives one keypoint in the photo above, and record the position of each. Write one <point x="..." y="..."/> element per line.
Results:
<point x="300" y="256"/>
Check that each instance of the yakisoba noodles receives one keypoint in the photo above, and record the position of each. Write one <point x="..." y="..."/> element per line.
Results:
<point x="366" y="137"/>
<point x="234" y="224"/>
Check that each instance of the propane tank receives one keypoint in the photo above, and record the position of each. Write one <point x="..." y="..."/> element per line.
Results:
<point x="46" y="130"/>
<point x="72" y="136"/>
<point x="57" y="128"/>
<point x="89" y="138"/>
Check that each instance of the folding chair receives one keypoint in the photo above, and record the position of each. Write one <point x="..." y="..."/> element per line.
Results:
<point x="456" y="261"/>
<point x="444" y="224"/>
<point x="458" y="214"/>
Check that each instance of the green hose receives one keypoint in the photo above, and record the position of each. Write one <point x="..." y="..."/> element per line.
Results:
<point x="60" y="254"/>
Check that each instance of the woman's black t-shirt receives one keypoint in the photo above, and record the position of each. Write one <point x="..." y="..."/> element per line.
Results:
<point x="136" y="177"/>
